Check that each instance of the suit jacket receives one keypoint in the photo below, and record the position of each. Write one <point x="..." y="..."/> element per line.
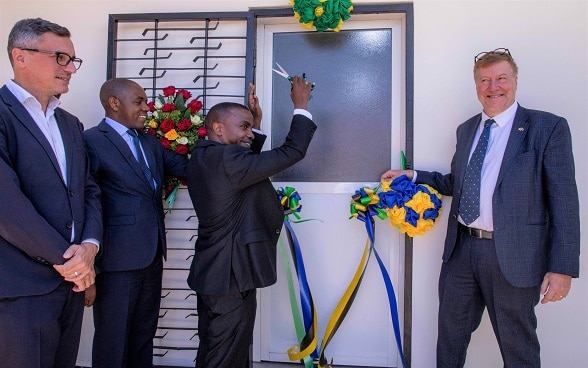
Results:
<point x="239" y="214"/>
<point x="132" y="211"/>
<point x="535" y="202"/>
<point x="38" y="209"/>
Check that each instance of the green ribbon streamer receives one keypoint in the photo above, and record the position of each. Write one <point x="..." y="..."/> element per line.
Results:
<point x="298" y="324"/>
<point x="171" y="199"/>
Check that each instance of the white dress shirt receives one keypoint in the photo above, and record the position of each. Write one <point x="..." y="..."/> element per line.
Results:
<point x="499" y="134"/>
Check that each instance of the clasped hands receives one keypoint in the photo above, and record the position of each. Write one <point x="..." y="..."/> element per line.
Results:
<point x="79" y="267"/>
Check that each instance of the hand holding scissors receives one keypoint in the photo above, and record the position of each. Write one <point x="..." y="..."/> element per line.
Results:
<point x="282" y="72"/>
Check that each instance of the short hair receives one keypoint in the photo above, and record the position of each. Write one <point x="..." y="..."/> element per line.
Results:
<point x="26" y="32"/>
<point x="492" y="57"/>
<point x="220" y="112"/>
<point x="114" y="87"/>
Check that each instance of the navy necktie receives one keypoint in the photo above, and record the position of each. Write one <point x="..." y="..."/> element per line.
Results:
<point x="469" y="204"/>
<point x="135" y="138"/>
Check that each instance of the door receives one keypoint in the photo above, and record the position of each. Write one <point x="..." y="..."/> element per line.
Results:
<point x="359" y="106"/>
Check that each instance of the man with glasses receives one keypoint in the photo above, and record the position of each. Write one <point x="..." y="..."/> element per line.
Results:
<point x="50" y="217"/>
<point x="514" y="230"/>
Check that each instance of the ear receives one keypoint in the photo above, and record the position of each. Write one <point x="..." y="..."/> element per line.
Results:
<point x="114" y="103"/>
<point x="18" y="57"/>
<point x="217" y="128"/>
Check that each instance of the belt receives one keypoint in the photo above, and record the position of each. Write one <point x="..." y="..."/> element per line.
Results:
<point x="476" y="233"/>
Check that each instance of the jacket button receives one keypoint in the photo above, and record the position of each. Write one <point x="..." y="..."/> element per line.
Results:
<point x="68" y="225"/>
<point x="277" y="231"/>
<point x="71" y="194"/>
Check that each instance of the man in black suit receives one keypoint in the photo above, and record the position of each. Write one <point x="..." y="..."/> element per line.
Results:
<point x="523" y="239"/>
<point x="128" y="287"/>
<point x="239" y="222"/>
<point x="50" y="213"/>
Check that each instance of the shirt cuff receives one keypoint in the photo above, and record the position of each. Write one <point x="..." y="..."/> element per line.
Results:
<point x="303" y="112"/>
<point x="93" y="241"/>
<point x="414" y="176"/>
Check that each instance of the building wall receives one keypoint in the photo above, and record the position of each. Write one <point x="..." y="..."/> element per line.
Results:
<point x="549" y="41"/>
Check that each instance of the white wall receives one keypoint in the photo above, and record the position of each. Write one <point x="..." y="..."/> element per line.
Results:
<point x="548" y="39"/>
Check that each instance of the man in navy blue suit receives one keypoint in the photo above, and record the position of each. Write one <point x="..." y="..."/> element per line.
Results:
<point x="128" y="286"/>
<point x="519" y="235"/>
<point x="50" y="222"/>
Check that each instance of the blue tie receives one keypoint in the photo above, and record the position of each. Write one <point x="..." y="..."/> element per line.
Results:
<point x="469" y="204"/>
<point x="135" y="138"/>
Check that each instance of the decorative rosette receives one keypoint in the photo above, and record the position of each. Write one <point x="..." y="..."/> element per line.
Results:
<point x="412" y="208"/>
<point x="322" y="14"/>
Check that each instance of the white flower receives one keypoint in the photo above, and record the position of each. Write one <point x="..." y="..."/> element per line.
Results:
<point x="182" y="140"/>
<point x="195" y="119"/>
<point x="155" y="114"/>
<point x="157" y="104"/>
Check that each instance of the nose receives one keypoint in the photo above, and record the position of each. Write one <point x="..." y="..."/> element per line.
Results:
<point x="70" y="68"/>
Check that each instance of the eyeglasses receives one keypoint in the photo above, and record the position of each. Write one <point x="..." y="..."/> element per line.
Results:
<point x="62" y="58"/>
<point x="499" y="51"/>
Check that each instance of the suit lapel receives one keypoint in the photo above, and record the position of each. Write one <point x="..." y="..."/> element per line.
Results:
<point x="22" y="115"/>
<point x="463" y="149"/>
<point x="124" y="150"/>
<point x="518" y="132"/>
<point x="150" y="157"/>
<point x="67" y="138"/>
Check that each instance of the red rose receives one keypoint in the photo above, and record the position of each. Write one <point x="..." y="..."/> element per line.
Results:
<point x="184" y="93"/>
<point x="168" y="107"/>
<point x="194" y="106"/>
<point x="165" y="143"/>
<point x="151" y="106"/>
<point x="169" y="91"/>
<point x="202" y="132"/>
<point x="152" y="132"/>
<point x="184" y="124"/>
<point x="182" y="149"/>
<point x="166" y="125"/>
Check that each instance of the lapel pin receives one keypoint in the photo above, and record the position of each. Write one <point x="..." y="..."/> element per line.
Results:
<point x="521" y="129"/>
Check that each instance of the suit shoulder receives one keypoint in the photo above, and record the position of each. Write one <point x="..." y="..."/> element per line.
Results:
<point x="542" y="120"/>
<point x="92" y="133"/>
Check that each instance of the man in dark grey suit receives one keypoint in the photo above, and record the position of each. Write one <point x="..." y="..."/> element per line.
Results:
<point x="128" y="287"/>
<point x="50" y="222"/>
<point x="240" y="219"/>
<point x="514" y="231"/>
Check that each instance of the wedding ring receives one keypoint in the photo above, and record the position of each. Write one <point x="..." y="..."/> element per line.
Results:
<point x="307" y="83"/>
<point x="561" y="296"/>
<point x="76" y="273"/>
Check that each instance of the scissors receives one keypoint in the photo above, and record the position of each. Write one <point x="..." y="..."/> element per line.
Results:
<point x="282" y="72"/>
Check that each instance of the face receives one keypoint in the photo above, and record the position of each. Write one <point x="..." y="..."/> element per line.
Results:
<point x="39" y="72"/>
<point x="496" y="86"/>
<point x="130" y="107"/>
<point x="236" y="129"/>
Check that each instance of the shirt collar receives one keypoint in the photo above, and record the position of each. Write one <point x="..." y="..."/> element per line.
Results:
<point x="25" y="97"/>
<point x="118" y="127"/>
<point x="505" y="117"/>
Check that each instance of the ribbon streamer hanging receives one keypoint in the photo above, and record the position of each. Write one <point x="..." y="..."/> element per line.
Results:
<point x="307" y="334"/>
<point x="364" y="207"/>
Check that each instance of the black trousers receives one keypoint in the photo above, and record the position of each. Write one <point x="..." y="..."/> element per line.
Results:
<point x="469" y="282"/>
<point x="225" y="329"/>
<point x="41" y="331"/>
<point x="126" y="312"/>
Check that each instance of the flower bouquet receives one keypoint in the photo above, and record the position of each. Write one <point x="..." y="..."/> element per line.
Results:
<point x="178" y="124"/>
